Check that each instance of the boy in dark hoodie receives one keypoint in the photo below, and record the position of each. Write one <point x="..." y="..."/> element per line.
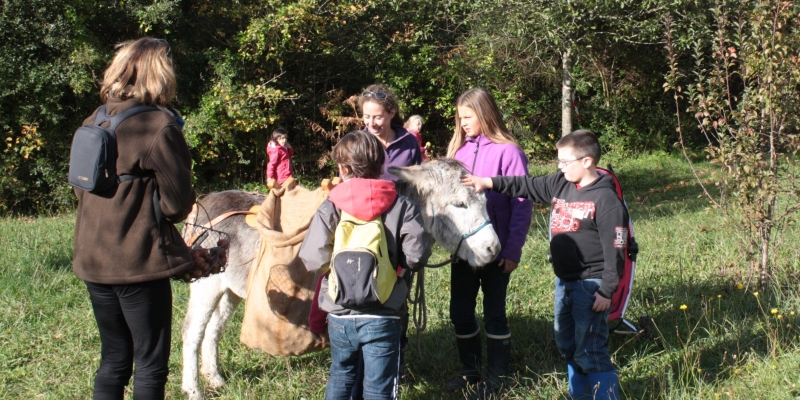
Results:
<point x="374" y="333"/>
<point x="588" y="231"/>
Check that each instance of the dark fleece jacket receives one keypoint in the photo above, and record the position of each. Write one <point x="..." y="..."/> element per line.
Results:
<point x="588" y="226"/>
<point x="117" y="238"/>
<point x="408" y="243"/>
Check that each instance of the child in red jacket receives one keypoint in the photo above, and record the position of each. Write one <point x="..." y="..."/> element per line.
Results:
<point x="280" y="152"/>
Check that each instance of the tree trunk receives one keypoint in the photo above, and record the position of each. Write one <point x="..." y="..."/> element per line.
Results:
<point x="566" y="93"/>
<point x="765" y="272"/>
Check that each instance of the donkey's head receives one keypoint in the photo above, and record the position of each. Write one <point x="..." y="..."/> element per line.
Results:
<point x="451" y="210"/>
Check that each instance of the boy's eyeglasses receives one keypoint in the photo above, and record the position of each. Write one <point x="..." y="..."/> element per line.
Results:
<point x="568" y="162"/>
<point x="377" y="95"/>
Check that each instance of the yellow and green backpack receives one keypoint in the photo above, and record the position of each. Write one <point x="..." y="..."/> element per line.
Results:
<point x="362" y="276"/>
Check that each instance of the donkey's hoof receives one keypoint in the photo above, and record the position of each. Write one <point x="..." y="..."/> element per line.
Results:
<point x="193" y="393"/>
<point x="215" y="380"/>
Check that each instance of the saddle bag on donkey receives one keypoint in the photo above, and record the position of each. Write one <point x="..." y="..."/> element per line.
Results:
<point x="279" y="289"/>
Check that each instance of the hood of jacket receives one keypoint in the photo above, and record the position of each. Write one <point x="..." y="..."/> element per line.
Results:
<point x="601" y="183"/>
<point x="364" y="199"/>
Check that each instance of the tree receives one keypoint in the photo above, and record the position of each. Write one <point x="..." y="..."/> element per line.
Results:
<point x="526" y="50"/>
<point x="744" y="93"/>
<point x="290" y="59"/>
<point x="53" y="54"/>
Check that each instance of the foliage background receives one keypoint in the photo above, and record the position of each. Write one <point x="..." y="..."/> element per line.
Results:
<point x="247" y="67"/>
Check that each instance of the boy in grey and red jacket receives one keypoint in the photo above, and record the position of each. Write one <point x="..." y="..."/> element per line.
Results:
<point x="373" y="334"/>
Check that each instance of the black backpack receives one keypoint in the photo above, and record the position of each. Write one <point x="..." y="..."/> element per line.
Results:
<point x="93" y="156"/>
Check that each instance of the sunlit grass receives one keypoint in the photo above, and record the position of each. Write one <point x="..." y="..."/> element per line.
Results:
<point x="716" y="334"/>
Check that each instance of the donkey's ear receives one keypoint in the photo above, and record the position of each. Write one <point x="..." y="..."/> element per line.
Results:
<point x="406" y="174"/>
<point x="416" y="176"/>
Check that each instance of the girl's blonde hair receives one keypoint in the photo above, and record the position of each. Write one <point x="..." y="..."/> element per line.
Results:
<point x="141" y="69"/>
<point x="492" y="125"/>
<point x="412" y="119"/>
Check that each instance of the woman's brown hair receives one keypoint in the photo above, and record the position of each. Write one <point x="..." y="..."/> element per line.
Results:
<point x="383" y="96"/>
<point x="492" y="125"/>
<point x="141" y="69"/>
<point x="361" y="153"/>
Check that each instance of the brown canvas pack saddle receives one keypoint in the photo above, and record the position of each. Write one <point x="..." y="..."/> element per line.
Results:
<point x="279" y="289"/>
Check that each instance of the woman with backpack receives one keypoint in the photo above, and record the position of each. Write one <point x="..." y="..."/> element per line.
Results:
<point x="126" y="247"/>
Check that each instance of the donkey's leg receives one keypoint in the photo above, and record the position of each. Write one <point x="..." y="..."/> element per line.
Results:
<point x="204" y="295"/>
<point x="209" y="365"/>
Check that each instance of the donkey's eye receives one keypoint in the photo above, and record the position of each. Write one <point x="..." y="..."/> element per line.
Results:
<point x="460" y="205"/>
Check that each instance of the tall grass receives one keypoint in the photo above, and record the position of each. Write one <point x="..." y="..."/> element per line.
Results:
<point x="715" y="335"/>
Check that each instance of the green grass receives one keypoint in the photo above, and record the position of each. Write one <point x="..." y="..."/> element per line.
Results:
<point x="725" y="344"/>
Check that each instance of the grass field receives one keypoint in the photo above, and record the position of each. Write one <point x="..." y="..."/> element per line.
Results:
<point x="716" y="335"/>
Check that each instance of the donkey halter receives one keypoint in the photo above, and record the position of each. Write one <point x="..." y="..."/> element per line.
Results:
<point x="454" y="256"/>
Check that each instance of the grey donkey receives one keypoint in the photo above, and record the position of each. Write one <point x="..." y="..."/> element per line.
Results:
<point x="452" y="213"/>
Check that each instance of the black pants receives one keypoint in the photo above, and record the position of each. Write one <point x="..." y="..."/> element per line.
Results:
<point x="465" y="282"/>
<point x="135" y="323"/>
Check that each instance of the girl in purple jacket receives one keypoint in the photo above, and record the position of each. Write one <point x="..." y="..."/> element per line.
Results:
<point x="486" y="148"/>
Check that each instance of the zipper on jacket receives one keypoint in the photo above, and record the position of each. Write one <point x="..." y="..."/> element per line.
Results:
<point x="474" y="160"/>
<point x="477" y="146"/>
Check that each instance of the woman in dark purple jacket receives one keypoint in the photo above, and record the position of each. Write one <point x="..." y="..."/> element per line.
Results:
<point x="381" y="115"/>
<point x="484" y="145"/>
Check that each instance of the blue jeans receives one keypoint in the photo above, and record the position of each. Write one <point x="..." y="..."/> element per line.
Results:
<point x="581" y="334"/>
<point x="464" y="285"/>
<point x="377" y="340"/>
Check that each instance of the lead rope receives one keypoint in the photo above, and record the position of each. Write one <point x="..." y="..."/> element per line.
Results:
<point x="419" y="306"/>
<point x="419" y="309"/>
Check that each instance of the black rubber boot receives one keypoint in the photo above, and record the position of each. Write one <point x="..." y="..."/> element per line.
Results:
<point x="498" y="353"/>
<point x="469" y="353"/>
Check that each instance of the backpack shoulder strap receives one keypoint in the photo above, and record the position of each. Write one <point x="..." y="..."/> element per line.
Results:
<point x="114" y="121"/>
<point x="345" y="216"/>
<point x="101" y="115"/>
